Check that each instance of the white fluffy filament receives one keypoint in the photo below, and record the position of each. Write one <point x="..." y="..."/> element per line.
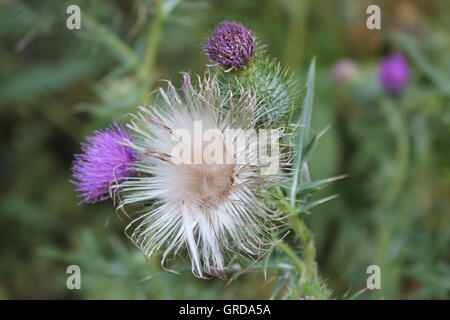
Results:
<point x="208" y="208"/>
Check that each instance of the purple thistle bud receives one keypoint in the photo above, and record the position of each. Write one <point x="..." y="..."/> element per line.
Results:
<point x="231" y="45"/>
<point x="394" y="73"/>
<point x="105" y="160"/>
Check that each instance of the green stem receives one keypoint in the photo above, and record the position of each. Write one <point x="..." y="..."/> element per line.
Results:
<point x="291" y="254"/>
<point x="398" y="127"/>
<point x="308" y="244"/>
<point x="145" y="70"/>
<point x="297" y="223"/>
<point x="296" y="34"/>
<point x="387" y="217"/>
<point x="118" y="47"/>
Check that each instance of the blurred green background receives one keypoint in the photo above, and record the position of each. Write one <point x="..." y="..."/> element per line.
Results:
<point x="58" y="85"/>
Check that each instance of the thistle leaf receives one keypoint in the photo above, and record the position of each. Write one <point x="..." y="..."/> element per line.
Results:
<point x="314" y="186"/>
<point x="294" y="115"/>
<point x="313" y="204"/>
<point x="280" y="284"/>
<point x="304" y="126"/>
<point x="266" y="263"/>
<point x="313" y="142"/>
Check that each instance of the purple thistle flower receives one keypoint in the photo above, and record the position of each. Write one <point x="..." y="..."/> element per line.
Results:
<point x="394" y="73"/>
<point x="231" y="45"/>
<point x="105" y="159"/>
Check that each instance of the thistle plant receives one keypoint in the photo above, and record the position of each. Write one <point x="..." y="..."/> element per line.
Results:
<point x="227" y="217"/>
<point x="209" y="208"/>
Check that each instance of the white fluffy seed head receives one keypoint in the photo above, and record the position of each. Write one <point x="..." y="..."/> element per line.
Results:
<point x="209" y="208"/>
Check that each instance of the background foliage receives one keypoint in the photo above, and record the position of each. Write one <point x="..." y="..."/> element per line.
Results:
<point x="58" y="85"/>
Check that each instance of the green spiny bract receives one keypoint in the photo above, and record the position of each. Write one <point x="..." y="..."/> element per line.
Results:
<point x="275" y="88"/>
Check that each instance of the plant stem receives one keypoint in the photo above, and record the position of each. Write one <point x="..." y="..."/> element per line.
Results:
<point x="118" y="47"/>
<point x="308" y="243"/>
<point x="291" y="254"/>
<point x="297" y="223"/>
<point x="388" y="217"/>
<point x="145" y="71"/>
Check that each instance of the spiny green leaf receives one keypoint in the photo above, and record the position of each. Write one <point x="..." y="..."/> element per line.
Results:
<point x="357" y="294"/>
<point x="266" y="262"/>
<point x="294" y="115"/>
<point x="313" y="142"/>
<point x="313" y="204"/>
<point x="314" y="186"/>
<point x="280" y="284"/>
<point x="305" y="123"/>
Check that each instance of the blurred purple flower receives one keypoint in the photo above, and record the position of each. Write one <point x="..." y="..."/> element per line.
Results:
<point x="105" y="159"/>
<point x="394" y="73"/>
<point x="343" y="70"/>
<point x="231" y="45"/>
